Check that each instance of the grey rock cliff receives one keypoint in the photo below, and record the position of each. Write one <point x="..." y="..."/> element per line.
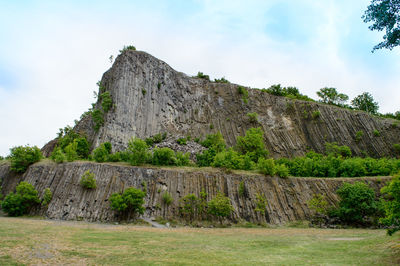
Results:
<point x="150" y="97"/>
<point x="286" y="198"/>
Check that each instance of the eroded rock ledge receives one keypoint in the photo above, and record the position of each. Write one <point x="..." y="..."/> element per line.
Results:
<point x="287" y="198"/>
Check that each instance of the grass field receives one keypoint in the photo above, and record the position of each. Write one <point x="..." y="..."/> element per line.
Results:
<point x="33" y="241"/>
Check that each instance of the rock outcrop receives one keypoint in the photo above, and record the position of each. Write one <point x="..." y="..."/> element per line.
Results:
<point x="286" y="198"/>
<point x="150" y="97"/>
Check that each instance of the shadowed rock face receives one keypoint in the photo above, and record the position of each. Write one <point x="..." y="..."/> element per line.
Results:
<point x="150" y="97"/>
<point x="286" y="198"/>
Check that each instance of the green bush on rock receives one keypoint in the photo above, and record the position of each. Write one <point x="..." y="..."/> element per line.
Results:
<point x="23" y="156"/>
<point x="17" y="204"/>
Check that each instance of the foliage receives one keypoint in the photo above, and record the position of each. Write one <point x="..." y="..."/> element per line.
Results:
<point x="82" y="147"/>
<point x="252" y="144"/>
<point x="261" y="203"/>
<point x="138" y="152"/>
<point x="365" y="102"/>
<point x="357" y="201"/>
<point x="333" y="149"/>
<point x="88" y="180"/>
<point x="163" y="156"/>
<point x="332" y="96"/>
<point x="167" y="198"/>
<point x="242" y="189"/>
<point x="98" y="119"/>
<point x="220" y="206"/>
<point x="189" y="206"/>
<point x="359" y="135"/>
<point x="318" y="204"/>
<point x="266" y="166"/>
<point x="290" y="92"/>
<point x="126" y="48"/>
<point x="245" y="94"/>
<point x="215" y="141"/>
<point x="101" y="153"/>
<point x="316" y="114"/>
<point x="376" y="133"/>
<point x="182" y="141"/>
<point x="392" y="205"/>
<point x="203" y="76"/>
<point x="23" y="156"/>
<point x="385" y="15"/>
<point x="144" y="92"/>
<point x="282" y="170"/>
<point x="221" y="80"/>
<point x="181" y="159"/>
<point x="106" y="101"/>
<point x="156" y="139"/>
<point x="47" y="197"/>
<point x="58" y="155"/>
<point x="228" y="159"/>
<point x="19" y="203"/>
<point x="396" y="148"/>
<point x="253" y="117"/>
<point x="70" y="151"/>
<point x="131" y="200"/>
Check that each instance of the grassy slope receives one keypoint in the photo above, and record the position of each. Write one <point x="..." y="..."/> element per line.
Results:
<point x="31" y="241"/>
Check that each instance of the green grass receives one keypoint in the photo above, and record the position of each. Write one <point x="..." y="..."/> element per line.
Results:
<point x="31" y="241"/>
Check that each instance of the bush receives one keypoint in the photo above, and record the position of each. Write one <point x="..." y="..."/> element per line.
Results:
<point x="182" y="159"/>
<point x="252" y="144"/>
<point x="357" y="201"/>
<point x="203" y="76"/>
<point x="318" y="204"/>
<point x="88" y="180"/>
<point x="253" y="117"/>
<point x="266" y="166"/>
<point x="70" y="152"/>
<point x="221" y="80"/>
<point x="228" y="159"/>
<point x="98" y="119"/>
<point x="126" y="48"/>
<point x="47" y="197"/>
<point x="163" y="156"/>
<point x="396" y="148"/>
<point x="215" y="141"/>
<point x="101" y="153"/>
<point x="106" y="102"/>
<point x="58" y="156"/>
<point x="261" y="203"/>
<point x="359" y="135"/>
<point x="332" y="149"/>
<point x="220" y="206"/>
<point x="189" y="206"/>
<point x="131" y="200"/>
<point x="245" y="94"/>
<point x="181" y="141"/>
<point x="316" y="114"/>
<point x="156" y="139"/>
<point x="391" y="205"/>
<point x="242" y="189"/>
<point x="282" y="170"/>
<point x="376" y="133"/>
<point x="167" y="198"/>
<point x="82" y="147"/>
<point x="17" y="204"/>
<point x="23" y="156"/>
<point x="138" y="152"/>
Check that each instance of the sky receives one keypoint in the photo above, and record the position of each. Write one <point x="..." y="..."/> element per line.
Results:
<point x="52" y="53"/>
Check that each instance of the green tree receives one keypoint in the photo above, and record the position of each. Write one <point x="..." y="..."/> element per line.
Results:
<point x="19" y="203"/>
<point x="70" y="151"/>
<point x="101" y="153"/>
<point x="58" y="155"/>
<point x="163" y="156"/>
<point x="252" y="144"/>
<point x="220" y="206"/>
<point x="392" y="205"/>
<point x="23" y="156"/>
<point x="266" y="166"/>
<point x="189" y="206"/>
<point x="131" y="200"/>
<point x="332" y="96"/>
<point x="88" y="180"/>
<point x="138" y="151"/>
<point x="365" y="102"/>
<point x="385" y="15"/>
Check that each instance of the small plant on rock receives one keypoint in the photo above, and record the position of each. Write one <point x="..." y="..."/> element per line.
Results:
<point x="88" y="180"/>
<point x="47" y="197"/>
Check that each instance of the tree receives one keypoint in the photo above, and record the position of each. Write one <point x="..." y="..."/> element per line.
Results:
<point x="138" y="151"/>
<point x="252" y="144"/>
<point x="23" y="156"/>
<point x="332" y="96"/>
<point x="392" y="205"/>
<point x="19" y="203"/>
<point x="385" y="15"/>
<point x="131" y="200"/>
<point x="220" y="206"/>
<point x="365" y="102"/>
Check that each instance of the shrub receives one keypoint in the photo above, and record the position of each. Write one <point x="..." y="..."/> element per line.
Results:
<point x="163" y="156"/>
<point x="131" y="200"/>
<point x="47" y="197"/>
<point x="392" y="205"/>
<point x="359" y="135"/>
<point x="182" y="159"/>
<point x="253" y="117"/>
<point x="376" y="133"/>
<point x="144" y="92"/>
<point x="189" y="206"/>
<point x="252" y="144"/>
<point x="220" y="206"/>
<point x="396" y="148"/>
<point x="181" y="141"/>
<point x="156" y="139"/>
<point x="58" y="156"/>
<point x="202" y="76"/>
<point x="266" y="166"/>
<point x="356" y="202"/>
<point x="23" y="156"/>
<point x="167" y="198"/>
<point x="316" y="114"/>
<point x="332" y="149"/>
<point x="242" y="189"/>
<point x="318" y="204"/>
<point x="215" y="141"/>
<point x="88" y="180"/>
<point x="228" y="159"/>
<point x="106" y="102"/>
<point x="126" y="48"/>
<point x="70" y="152"/>
<point x="101" y="153"/>
<point x="245" y="94"/>
<point x="98" y="119"/>
<point x="282" y="170"/>
<point x="82" y="147"/>
<point x="19" y="203"/>
<point x="221" y="80"/>
<point x="138" y="152"/>
<point x="261" y="203"/>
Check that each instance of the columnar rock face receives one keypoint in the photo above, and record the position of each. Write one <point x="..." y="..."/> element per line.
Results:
<point x="150" y="97"/>
<point x="286" y="198"/>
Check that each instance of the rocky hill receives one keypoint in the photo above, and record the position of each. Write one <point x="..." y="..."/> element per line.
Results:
<point x="149" y="97"/>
